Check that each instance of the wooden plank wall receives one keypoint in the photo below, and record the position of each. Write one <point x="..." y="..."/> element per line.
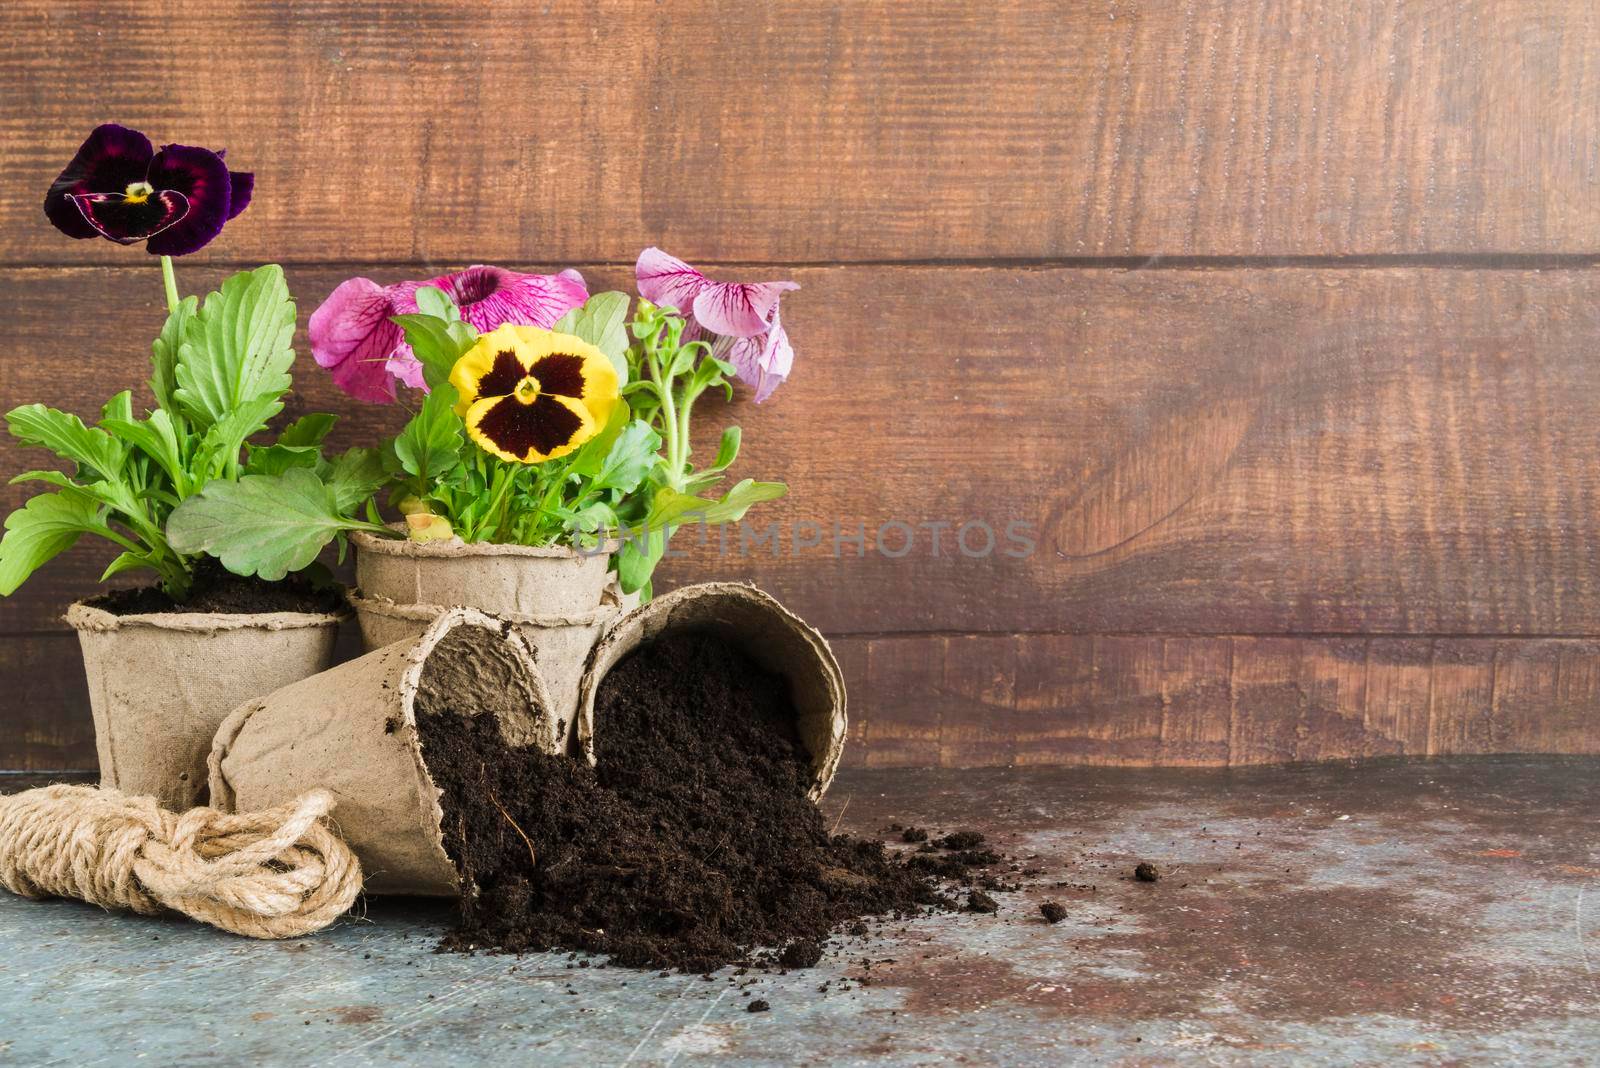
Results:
<point x="1273" y="322"/>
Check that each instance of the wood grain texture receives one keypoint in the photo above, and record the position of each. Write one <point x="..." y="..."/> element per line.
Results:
<point x="999" y="700"/>
<point x="1224" y="700"/>
<point x="1401" y="451"/>
<point x="823" y="131"/>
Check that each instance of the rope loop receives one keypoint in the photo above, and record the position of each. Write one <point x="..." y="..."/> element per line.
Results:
<point x="278" y="873"/>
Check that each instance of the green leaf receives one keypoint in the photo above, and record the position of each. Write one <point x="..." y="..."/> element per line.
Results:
<point x="589" y="458"/>
<point x="266" y="525"/>
<point x="236" y="348"/>
<point x="591" y="518"/>
<point x="276" y="459"/>
<point x="110" y="494"/>
<point x="707" y="373"/>
<point x="118" y="407"/>
<point x="158" y="439"/>
<point x="432" y="441"/>
<point x="126" y="562"/>
<point x="307" y="430"/>
<point x="47" y="525"/>
<point x="354" y="476"/>
<point x="65" y="435"/>
<point x="224" y="440"/>
<point x="602" y="322"/>
<point x="629" y="459"/>
<point x="55" y="478"/>
<point x="669" y="507"/>
<point x="727" y="449"/>
<point x="164" y="354"/>
<point x="431" y="300"/>
<point x="636" y="562"/>
<point x="434" y="344"/>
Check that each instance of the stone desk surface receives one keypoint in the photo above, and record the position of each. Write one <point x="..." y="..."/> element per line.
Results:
<point x="1389" y="912"/>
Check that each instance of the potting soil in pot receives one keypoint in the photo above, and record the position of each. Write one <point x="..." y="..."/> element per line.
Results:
<point x="218" y="590"/>
<point x="690" y="845"/>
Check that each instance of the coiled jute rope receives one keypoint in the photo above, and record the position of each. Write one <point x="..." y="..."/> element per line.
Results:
<point x="277" y="873"/>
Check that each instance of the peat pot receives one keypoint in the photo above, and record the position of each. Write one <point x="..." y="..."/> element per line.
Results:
<point x="505" y="580"/>
<point x="160" y="683"/>
<point x="353" y="730"/>
<point x="560" y="644"/>
<point x="767" y="632"/>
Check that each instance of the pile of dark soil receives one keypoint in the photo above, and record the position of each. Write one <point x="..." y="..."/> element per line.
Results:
<point x="690" y="845"/>
<point x="217" y="589"/>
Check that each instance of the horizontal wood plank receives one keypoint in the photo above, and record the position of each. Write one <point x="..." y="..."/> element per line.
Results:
<point x="998" y="700"/>
<point x="1399" y="451"/>
<point x="828" y="131"/>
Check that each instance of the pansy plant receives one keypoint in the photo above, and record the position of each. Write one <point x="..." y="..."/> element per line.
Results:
<point x="219" y="372"/>
<point x="547" y="418"/>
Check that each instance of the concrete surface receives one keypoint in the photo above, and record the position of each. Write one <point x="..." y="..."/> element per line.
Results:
<point x="1393" y="913"/>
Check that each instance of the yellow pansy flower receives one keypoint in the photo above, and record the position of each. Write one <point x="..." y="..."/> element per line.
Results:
<point x="529" y="395"/>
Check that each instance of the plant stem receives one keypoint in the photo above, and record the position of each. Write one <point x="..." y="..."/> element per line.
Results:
<point x="683" y="432"/>
<point x="669" y="420"/>
<point x="501" y="483"/>
<point x="169" y="280"/>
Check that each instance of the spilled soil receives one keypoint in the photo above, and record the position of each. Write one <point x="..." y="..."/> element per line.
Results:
<point x="217" y="589"/>
<point x="690" y="845"/>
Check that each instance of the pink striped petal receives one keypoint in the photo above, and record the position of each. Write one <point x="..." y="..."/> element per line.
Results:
<point x="352" y="337"/>
<point x="405" y="366"/>
<point x="664" y="279"/>
<point x="739" y="309"/>
<point x="763" y="361"/>
<point x="492" y="296"/>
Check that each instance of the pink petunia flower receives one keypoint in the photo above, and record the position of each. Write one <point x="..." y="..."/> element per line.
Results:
<point x="742" y="316"/>
<point x="352" y="336"/>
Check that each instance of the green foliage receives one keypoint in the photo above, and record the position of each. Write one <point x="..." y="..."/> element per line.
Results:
<point x="435" y="469"/>
<point x="667" y="376"/>
<point x="219" y="370"/>
<point x="267" y="525"/>
<point x="430" y="445"/>
<point x="236" y="348"/>
<point x="47" y="525"/>
<point x="634" y="480"/>
<point x="602" y="321"/>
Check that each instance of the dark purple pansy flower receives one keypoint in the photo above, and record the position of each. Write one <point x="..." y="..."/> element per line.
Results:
<point x="118" y="187"/>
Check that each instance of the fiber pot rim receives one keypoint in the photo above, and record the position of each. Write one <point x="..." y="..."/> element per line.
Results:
<point x="423" y="646"/>
<point x="422" y="612"/>
<point x="81" y="616"/>
<point x="648" y="621"/>
<point x="455" y="548"/>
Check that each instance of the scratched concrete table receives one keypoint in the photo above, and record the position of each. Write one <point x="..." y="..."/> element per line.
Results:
<point x="1392" y="913"/>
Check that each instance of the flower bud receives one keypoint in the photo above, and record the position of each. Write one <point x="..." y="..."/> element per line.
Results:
<point x="422" y="526"/>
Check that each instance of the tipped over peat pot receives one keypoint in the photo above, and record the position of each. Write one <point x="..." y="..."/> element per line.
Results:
<point x="353" y="730"/>
<point x="160" y="683"/>
<point x="563" y="600"/>
<point x="560" y="644"/>
<point x="772" y="636"/>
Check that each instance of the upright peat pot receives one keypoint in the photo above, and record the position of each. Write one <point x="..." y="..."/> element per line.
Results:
<point x="544" y="580"/>
<point x="160" y="683"/>
<point x="563" y="600"/>
<point x="353" y="730"/>
<point x="771" y="635"/>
